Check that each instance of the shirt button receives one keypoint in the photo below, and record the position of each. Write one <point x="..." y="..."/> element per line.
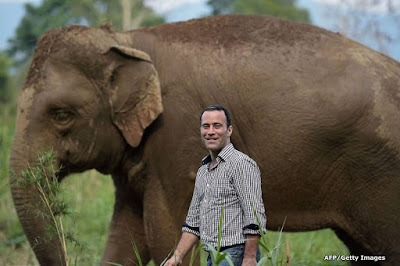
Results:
<point x="208" y="185"/>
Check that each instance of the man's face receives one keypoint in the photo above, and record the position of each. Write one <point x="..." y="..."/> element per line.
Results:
<point x="214" y="131"/>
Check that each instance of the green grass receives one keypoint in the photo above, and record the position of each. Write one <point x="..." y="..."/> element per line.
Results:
<point x="91" y="198"/>
<point x="308" y="248"/>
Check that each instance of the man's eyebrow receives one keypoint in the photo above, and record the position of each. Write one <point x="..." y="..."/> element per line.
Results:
<point x="216" y="123"/>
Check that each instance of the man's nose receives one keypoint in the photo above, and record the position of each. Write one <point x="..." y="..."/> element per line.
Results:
<point x="211" y="130"/>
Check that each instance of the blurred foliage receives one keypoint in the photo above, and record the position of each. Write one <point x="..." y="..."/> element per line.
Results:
<point x="277" y="8"/>
<point x="221" y="6"/>
<point x="5" y="64"/>
<point x="56" y="13"/>
<point x="374" y="23"/>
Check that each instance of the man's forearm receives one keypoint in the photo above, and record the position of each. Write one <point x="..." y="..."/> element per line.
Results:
<point x="251" y="246"/>
<point x="187" y="241"/>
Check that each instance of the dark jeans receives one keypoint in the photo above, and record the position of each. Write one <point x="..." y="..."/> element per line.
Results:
<point x="236" y="253"/>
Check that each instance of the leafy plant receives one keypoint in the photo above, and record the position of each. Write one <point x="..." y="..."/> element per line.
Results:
<point x="43" y="177"/>
<point x="216" y="255"/>
<point x="197" y="251"/>
<point x="270" y="256"/>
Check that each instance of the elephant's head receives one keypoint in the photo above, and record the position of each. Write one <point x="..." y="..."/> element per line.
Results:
<point x="89" y="97"/>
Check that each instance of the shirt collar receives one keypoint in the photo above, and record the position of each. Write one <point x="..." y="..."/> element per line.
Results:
<point x="224" y="154"/>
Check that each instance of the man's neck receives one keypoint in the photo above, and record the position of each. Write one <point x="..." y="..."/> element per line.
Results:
<point x="214" y="155"/>
<point x="213" y="160"/>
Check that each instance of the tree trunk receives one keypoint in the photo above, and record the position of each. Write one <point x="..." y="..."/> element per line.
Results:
<point x="126" y="14"/>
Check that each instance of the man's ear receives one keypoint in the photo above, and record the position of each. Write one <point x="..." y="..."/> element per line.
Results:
<point x="136" y="94"/>
<point x="230" y="130"/>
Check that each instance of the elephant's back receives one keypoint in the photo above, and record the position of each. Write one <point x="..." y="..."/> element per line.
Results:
<point x="225" y="31"/>
<point x="297" y="92"/>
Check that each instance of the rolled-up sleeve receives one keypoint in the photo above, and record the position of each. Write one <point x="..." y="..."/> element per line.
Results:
<point x="192" y="222"/>
<point x="247" y="181"/>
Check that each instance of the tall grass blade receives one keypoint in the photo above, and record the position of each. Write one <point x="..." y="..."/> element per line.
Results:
<point x="195" y="254"/>
<point x="220" y="258"/>
<point x="263" y="261"/>
<point x="216" y="256"/>
<point x="258" y="220"/>
<point x="276" y="249"/>
<point x="263" y="240"/>
<point x="228" y="259"/>
<point x="165" y="260"/>
<point x="220" y="228"/>
<point x="135" y="249"/>
<point x="113" y="263"/>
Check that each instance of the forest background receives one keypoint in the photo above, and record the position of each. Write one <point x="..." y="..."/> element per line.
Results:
<point x="374" y="23"/>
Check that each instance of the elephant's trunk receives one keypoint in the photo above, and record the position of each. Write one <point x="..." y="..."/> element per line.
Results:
<point x="32" y="212"/>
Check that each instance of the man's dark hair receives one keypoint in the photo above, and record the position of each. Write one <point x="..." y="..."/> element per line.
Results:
<point x="218" y="107"/>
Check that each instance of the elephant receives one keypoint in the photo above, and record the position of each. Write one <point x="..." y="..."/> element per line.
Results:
<point x="318" y="112"/>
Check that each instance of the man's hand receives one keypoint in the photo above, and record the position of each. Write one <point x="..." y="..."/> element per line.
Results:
<point x="187" y="241"/>
<point x="249" y="262"/>
<point x="174" y="261"/>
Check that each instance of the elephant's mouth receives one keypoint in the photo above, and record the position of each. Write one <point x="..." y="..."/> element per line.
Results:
<point x="61" y="173"/>
<point x="66" y="169"/>
<point x="70" y="163"/>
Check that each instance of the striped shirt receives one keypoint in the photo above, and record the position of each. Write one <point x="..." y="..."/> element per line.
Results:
<point x="233" y="184"/>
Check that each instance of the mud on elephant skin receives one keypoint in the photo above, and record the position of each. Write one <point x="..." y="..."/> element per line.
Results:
<point x="318" y="112"/>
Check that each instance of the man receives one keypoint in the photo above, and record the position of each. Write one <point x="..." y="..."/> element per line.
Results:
<point x="230" y="181"/>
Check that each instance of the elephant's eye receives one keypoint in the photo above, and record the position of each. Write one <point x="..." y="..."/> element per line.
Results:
<point x="62" y="117"/>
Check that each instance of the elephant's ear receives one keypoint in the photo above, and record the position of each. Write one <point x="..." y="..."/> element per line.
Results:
<point x="136" y="94"/>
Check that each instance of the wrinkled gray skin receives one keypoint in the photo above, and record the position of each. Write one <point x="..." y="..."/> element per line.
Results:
<point x="318" y="112"/>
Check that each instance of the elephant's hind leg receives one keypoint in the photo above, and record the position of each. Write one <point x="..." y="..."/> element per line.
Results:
<point x="372" y="233"/>
<point x="354" y="247"/>
<point x="126" y="224"/>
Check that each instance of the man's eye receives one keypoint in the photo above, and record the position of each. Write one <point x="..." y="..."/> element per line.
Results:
<point x="205" y="126"/>
<point x="217" y="125"/>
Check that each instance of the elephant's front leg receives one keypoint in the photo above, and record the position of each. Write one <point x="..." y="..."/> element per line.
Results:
<point x="126" y="224"/>
<point x="163" y="222"/>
